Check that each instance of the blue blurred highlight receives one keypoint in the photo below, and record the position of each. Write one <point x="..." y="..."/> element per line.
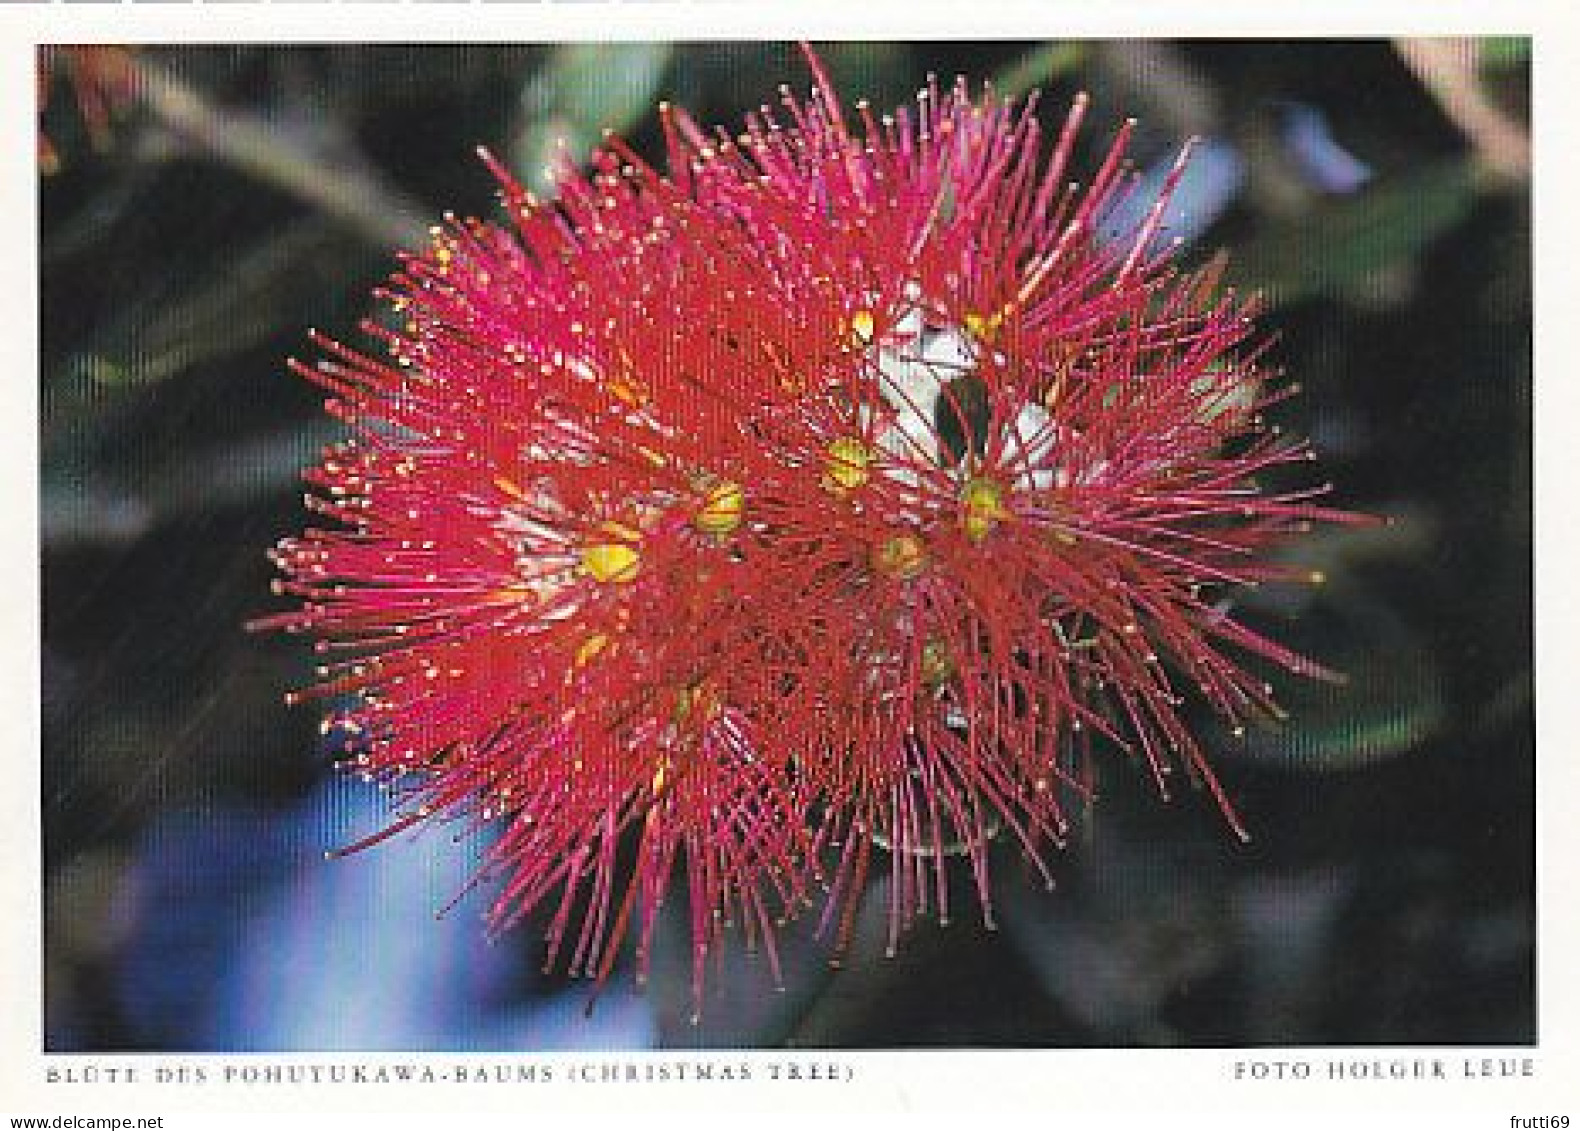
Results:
<point x="1207" y="187"/>
<point x="251" y="941"/>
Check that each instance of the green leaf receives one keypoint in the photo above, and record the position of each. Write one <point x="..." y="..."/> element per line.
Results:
<point x="879" y="71"/>
<point x="584" y="89"/>
<point x="1341" y="247"/>
<point x="1229" y="403"/>
<point x="1047" y="61"/>
<point x="1503" y="52"/>
<point x="1389" y="701"/>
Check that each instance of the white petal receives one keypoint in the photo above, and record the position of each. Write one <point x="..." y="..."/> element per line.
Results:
<point x="950" y="352"/>
<point x="1030" y="444"/>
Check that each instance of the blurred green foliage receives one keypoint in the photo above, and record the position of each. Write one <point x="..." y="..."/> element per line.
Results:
<point x="584" y="89"/>
<point x="1340" y="247"/>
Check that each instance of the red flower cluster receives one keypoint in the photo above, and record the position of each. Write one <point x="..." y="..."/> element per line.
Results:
<point x="831" y="499"/>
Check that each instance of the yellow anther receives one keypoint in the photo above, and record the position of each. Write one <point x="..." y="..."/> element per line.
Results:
<point x="1317" y="577"/>
<point x="847" y="464"/>
<point x="863" y="325"/>
<point x="590" y="649"/>
<point x="616" y="561"/>
<point x="722" y="509"/>
<point x="611" y="561"/>
<point x="901" y="557"/>
<point x="982" y="508"/>
<point x="443" y="248"/>
<point x="698" y="700"/>
<point x="659" y="776"/>
<point x="983" y="326"/>
<point x="524" y="592"/>
<point x="628" y="389"/>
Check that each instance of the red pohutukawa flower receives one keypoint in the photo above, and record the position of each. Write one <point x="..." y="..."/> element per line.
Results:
<point x="832" y="498"/>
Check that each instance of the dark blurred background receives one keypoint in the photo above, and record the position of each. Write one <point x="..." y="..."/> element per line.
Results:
<point x="202" y="206"/>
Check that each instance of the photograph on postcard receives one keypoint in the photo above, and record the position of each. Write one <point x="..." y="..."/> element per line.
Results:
<point x="865" y="544"/>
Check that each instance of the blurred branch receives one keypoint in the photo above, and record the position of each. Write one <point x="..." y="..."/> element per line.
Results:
<point x="73" y="515"/>
<point x="1447" y="68"/>
<point x="174" y="325"/>
<point x="239" y="305"/>
<point x="1154" y="75"/>
<point x="343" y="189"/>
<point x="82" y="233"/>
